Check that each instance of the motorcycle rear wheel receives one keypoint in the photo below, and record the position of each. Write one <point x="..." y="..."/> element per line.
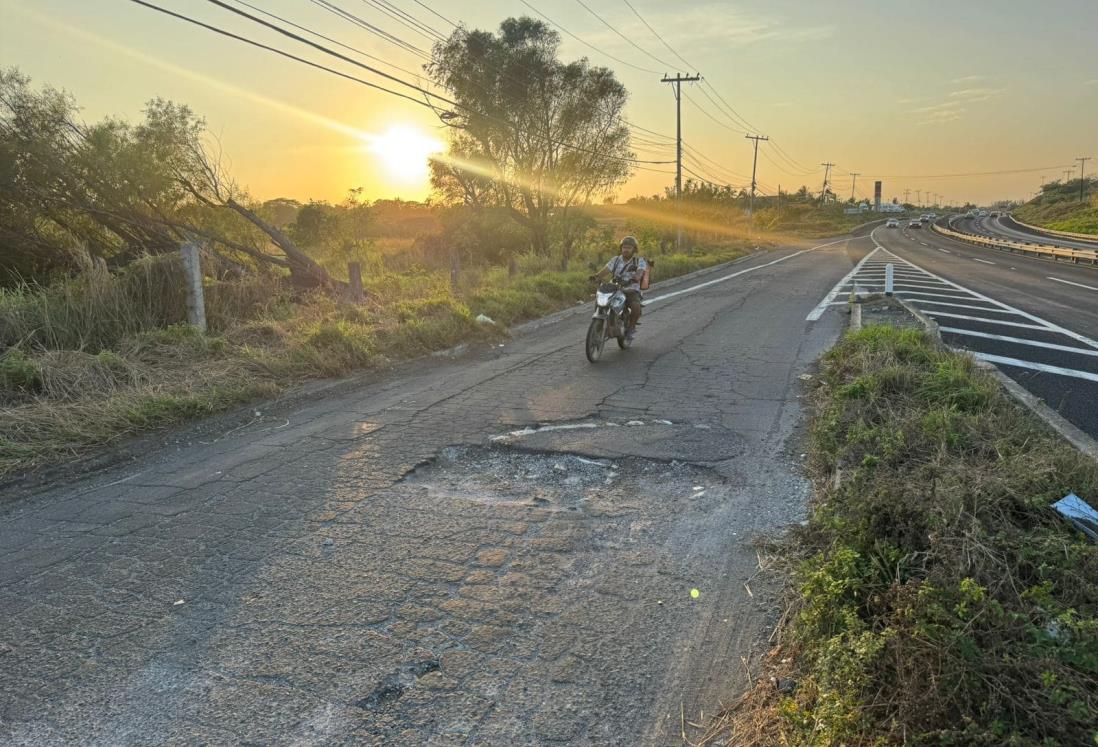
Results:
<point x="595" y="338"/>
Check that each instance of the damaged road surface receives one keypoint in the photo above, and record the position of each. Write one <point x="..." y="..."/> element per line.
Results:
<point x="499" y="550"/>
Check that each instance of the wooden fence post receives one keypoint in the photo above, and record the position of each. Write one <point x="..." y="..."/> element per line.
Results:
<point x="196" y="298"/>
<point x="354" y="274"/>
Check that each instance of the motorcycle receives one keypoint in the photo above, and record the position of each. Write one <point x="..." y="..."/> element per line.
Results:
<point x="609" y="320"/>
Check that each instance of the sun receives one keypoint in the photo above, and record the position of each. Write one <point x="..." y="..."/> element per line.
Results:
<point x="404" y="152"/>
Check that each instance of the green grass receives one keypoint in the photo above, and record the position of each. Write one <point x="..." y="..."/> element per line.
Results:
<point x="1058" y="207"/>
<point x="939" y="600"/>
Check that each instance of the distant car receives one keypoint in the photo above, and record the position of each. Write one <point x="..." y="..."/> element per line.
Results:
<point x="982" y="214"/>
<point x="994" y="213"/>
<point x="915" y="223"/>
<point x="932" y="216"/>
<point x="892" y="223"/>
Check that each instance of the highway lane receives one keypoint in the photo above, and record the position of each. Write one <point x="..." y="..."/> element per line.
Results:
<point x="493" y="550"/>
<point x="996" y="228"/>
<point x="1037" y="320"/>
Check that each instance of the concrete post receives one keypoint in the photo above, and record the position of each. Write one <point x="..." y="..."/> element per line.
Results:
<point x="196" y="298"/>
<point x="888" y="279"/>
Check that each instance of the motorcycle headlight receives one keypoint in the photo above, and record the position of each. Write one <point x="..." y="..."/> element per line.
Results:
<point x="602" y="299"/>
<point x="618" y="302"/>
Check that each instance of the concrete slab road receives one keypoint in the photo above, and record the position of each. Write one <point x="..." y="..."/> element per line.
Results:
<point x="494" y="551"/>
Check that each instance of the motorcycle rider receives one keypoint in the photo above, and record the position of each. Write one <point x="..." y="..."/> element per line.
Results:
<point x="629" y="268"/>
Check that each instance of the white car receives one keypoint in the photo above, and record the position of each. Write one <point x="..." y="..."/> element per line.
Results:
<point x="892" y="223"/>
<point x="915" y="223"/>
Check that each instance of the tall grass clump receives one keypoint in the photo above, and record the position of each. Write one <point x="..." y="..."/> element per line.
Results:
<point x="940" y="600"/>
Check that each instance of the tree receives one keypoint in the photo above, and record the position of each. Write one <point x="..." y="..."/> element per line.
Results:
<point x="530" y="134"/>
<point x="109" y="192"/>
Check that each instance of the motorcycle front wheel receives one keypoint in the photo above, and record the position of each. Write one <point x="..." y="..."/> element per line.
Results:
<point x="595" y="339"/>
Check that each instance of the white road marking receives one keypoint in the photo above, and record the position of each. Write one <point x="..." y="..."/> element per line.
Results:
<point x="932" y="312"/>
<point x="1047" y="325"/>
<point x="708" y="283"/>
<point x="962" y="306"/>
<point x="1018" y="340"/>
<point x="928" y="293"/>
<point x="1003" y="360"/>
<point x="981" y="260"/>
<point x="943" y="250"/>
<point x="1059" y="280"/>
<point x="821" y="307"/>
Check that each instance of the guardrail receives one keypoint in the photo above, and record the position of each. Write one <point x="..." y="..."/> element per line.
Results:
<point x="1024" y="247"/>
<point x="1058" y="234"/>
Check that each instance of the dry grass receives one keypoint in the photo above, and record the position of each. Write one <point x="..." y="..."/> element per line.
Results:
<point x="100" y="357"/>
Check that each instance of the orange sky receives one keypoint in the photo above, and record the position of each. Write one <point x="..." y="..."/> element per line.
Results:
<point x="908" y="91"/>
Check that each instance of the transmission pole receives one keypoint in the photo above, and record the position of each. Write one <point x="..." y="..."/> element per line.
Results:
<point x="906" y="193"/>
<point x="754" y="163"/>
<point x="1082" y="162"/>
<point x="854" y="181"/>
<point x="676" y="84"/>
<point x="1067" y="174"/>
<point x="827" y="171"/>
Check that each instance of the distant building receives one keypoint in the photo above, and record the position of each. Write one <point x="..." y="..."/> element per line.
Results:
<point x="888" y="207"/>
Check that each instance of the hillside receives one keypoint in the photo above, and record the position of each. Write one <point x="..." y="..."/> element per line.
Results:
<point x="1058" y="207"/>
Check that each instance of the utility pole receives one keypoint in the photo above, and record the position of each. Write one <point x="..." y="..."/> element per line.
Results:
<point x="907" y="192"/>
<point x="754" y="163"/>
<point x="779" y="201"/>
<point x="919" y="197"/>
<point x="676" y="84"/>
<point x="1082" y="162"/>
<point x="854" y="181"/>
<point x="1067" y="175"/>
<point x="827" y="171"/>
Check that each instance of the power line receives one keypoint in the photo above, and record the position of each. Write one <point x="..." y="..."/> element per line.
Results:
<point x="426" y="93"/>
<point x="328" y="38"/>
<point x="435" y="12"/>
<point x="669" y="47"/>
<point x="623" y="36"/>
<point x="376" y="30"/>
<point x="587" y="44"/>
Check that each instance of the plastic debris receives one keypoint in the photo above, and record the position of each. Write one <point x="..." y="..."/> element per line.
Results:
<point x="698" y="487"/>
<point x="1079" y="513"/>
<point x="635" y="422"/>
<point x="663" y="422"/>
<point x="694" y="593"/>
<point x="485" y="319"/>
<point x="177" y="602"/>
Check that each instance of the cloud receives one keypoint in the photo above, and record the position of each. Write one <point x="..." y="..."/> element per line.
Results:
<point x="967" y="79"/>
<point x="976" y="94"/>
<point x="1091" y="82"/>
<point x="709" y="24"/>
<point x="945" y="105"/>
<point x="941" y="116"/>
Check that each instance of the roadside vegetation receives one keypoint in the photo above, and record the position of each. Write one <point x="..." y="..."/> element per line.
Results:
<point x="938" y="599"/>
<point x="93" y="333"/>
<point x="1058" y="207"/>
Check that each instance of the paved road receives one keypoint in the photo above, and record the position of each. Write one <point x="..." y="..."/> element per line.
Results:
<point x="1006" y="228"/>
<point x="495" y="551"/>
<point x="1036" y="319"/>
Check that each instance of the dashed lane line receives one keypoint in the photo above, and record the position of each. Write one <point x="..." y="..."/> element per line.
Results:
<point x="974" y="259"/>
<point x="943" y="250"/>
<point x="1018" y="340"/>
<point x="1044" y="367"/>
<point x="1069" y="282"/>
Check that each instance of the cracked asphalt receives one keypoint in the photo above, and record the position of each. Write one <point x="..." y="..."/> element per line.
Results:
<point x="419" y="560"/>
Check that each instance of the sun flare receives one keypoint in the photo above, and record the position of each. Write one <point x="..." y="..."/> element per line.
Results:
<point x="404" y="151"/>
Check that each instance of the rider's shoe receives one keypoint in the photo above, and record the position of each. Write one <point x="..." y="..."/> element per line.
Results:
<point x="629" y="333"/>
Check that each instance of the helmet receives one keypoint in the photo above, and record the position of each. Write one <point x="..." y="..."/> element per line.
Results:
<point x="630" y="241"/>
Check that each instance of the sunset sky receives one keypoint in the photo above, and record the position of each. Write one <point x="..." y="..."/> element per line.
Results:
<point x="906" y="91"/>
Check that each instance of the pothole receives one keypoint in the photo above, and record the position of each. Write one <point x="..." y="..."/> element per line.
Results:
<point x="562" y="481"/>
<point x="664" y="440"/>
